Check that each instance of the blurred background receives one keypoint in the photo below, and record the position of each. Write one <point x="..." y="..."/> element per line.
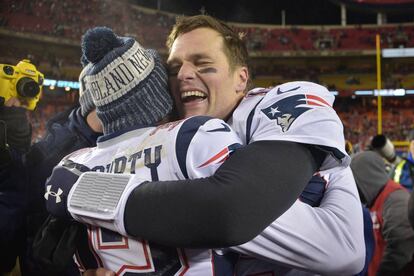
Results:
<point x="331" y="42"/>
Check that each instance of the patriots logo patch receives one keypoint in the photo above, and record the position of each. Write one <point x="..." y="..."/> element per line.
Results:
<point x="287" y="110"/>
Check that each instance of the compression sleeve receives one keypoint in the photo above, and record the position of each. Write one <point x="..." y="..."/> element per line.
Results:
<point x="247" y="193"/>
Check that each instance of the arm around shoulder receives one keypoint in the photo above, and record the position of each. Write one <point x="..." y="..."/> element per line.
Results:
<point x="326" y="240"/>
<point x="248" y="192"/>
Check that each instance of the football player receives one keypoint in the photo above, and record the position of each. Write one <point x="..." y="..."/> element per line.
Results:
<point x="286" y="146"/>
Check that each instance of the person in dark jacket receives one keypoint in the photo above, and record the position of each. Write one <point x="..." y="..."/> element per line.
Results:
<point x="15" y="141"/>
<point x="410" y="160"/>
<point x="403" y="172"/>
<point x="387" y="201"/>
<point x="24" y="170"/>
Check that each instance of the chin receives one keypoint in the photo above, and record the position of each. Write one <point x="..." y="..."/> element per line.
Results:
<point x="191" y="113"/>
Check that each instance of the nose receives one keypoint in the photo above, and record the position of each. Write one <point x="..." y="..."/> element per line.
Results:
<point x="186" y="72"/>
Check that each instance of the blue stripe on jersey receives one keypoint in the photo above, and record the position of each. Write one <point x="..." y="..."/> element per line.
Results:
<point x="337" y="154"/>
<point x="186" y="133"/>
<point x="118" y="133"/>
<point x="249" y="122"/>
<point x="225" y="264"/>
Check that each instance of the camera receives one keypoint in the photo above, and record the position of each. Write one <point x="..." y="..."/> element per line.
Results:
<point x="382" y="145"/>
<point x="22" y="81"/>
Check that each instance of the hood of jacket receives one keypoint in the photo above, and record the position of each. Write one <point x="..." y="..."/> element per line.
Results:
<point x="370" y="175"/>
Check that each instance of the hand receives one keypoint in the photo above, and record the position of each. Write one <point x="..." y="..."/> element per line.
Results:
<point x="58" y="186"/>
<point x="55" y="244"/>
<point x="314" y="191"/>
<point x="13" y="101"/>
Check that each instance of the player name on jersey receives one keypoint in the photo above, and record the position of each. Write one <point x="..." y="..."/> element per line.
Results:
<point x="148" y="157"/>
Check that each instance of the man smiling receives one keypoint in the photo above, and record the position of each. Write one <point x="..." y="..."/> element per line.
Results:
<point x="209" y="76"/>
<point x="205" y="95"/>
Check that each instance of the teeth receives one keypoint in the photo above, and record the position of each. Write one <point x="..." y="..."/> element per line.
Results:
<point x="193" y="93"/>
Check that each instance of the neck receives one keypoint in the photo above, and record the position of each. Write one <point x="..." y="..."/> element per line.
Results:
<point x="93" y="122"/>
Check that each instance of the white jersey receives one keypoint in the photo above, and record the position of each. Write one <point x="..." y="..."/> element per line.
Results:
<point x="191" y="148"/>
<point x="327" y="239"/>
<point x="323" y="240"/>
<point x="295" y="111"/>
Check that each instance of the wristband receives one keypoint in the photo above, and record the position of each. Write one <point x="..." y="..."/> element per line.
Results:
<point x="99" y="199"/>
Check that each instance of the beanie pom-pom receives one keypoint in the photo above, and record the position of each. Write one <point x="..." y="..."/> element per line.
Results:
<point x="97" y="42"/>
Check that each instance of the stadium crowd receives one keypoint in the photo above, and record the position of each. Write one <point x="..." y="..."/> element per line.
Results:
<point x="75" y="17"/>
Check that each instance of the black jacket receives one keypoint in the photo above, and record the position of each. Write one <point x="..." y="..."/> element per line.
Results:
<point x="22" y="209"/>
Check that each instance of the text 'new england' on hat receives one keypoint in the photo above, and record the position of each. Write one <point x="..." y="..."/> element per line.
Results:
<point x="128" y="84"/>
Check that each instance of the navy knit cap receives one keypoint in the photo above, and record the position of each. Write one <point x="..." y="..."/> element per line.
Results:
<point x="128" y="84"/>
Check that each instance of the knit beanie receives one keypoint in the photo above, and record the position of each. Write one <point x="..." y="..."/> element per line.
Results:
<point x="370" y="174"/>
<point x="127" y="83"/>
<point x="85" y="97"/>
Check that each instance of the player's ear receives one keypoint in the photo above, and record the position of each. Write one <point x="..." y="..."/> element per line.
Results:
<point x="242" y="77"/>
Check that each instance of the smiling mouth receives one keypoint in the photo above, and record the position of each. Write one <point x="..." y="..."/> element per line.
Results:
<point x="190" y="96"/>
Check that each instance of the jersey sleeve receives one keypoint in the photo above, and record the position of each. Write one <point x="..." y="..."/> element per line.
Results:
<point x="298" y="112"/>
<point x="203" y="144"/>
<point x="324" y="240"/>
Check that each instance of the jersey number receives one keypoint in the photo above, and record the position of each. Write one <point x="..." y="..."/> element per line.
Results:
<point x="134" y="256"/>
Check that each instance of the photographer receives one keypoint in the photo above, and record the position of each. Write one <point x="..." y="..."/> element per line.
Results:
<point x="24" y="170"/>
<point x="15" y="141"/>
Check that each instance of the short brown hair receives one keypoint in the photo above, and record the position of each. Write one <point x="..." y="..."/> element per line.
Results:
<point x="234" y="46"/>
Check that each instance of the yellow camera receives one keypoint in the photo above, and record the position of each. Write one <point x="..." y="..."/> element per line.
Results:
<point x="22" y="81"/>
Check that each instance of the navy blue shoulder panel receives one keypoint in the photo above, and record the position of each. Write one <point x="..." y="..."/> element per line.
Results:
<point x="120" y="132"/>
<point x="249" y="122"/>
<point x="225" y="264"/>
<point x="186" y="133"/>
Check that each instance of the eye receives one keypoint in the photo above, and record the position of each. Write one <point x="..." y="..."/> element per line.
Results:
<point x="173" y="70"/>
<point x="203" y="63"/>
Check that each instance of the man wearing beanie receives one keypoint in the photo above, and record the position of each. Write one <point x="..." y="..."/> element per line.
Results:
<point x="128" y="86"/>
<point x="387" y="201"/>
<point x="127" y="83"/>
<point x="68" y="131"/>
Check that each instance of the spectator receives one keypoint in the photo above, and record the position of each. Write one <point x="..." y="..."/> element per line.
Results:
<point x="387" y="201"/>
<point x="403" y="172"/>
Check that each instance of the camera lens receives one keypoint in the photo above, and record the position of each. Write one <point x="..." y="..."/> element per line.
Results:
<point x="27" y="87"/>
<point x="8" y="70"/>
